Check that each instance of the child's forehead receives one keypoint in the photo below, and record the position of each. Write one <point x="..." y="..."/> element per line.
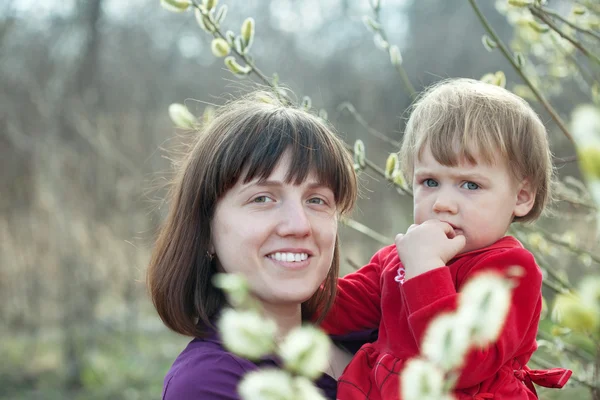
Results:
<point x="470" y="156"/>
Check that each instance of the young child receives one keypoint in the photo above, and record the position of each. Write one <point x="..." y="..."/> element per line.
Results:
<point x="478" y="159"/>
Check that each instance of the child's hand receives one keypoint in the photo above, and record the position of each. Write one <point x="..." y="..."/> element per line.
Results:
<point x="427" y="246"/>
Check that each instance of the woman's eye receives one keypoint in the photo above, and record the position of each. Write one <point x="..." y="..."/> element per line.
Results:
<point x="316" y="200"/>
<point x="262" y="199"/>
<point x="430" y="183"/>
<point x="470" y="186"/>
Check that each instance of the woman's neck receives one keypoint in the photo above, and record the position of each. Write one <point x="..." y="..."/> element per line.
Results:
<point x="287" y="317"/>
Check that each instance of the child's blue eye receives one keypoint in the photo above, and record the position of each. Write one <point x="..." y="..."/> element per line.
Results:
<point x="430" y="183"/>
<point x="470" y="186"/>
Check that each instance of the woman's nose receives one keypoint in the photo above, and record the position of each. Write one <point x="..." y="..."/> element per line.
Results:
<point x="294" y="220"/>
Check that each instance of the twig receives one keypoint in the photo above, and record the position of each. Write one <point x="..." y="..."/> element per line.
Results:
<point x="569" y="348"/>
<point x="217" y="33"/>
<point x="552" y="239"/>
<point x="365" y="230"/>
<point x="348" y="106"/>
<point x="566" y="21"/>
<point x="564" y="160"/>
<point x="535" y="11"/>
<point x="510" y="59"/>
<point x="403" y="75"/>
<point x="377" y="169"/>
<point x="353" y="264"/>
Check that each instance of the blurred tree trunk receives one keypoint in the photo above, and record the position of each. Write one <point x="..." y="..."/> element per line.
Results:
<point x="79" y="307"/>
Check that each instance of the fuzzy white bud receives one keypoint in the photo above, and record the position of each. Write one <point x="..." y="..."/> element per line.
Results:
<point x="236" y="68"/>
<point x="305" y="351"/>
<point x="235" y="286"/>
<point x="247" y="333"/>
<point x="359" y="153"/>
<point x="175" y="5"/>
<point x="248" y="32"/>
<point x="395" y="55"/>
<point x="446" y="342"/>
<point x="421" y="380"/>
<point x="488" y="43"/>
<point x="484" y="302"/>
<point x="181" y="116"/>
<point x="220" y="47"/>
<point x="267" y="384"/>
<point x="306" y="389"/>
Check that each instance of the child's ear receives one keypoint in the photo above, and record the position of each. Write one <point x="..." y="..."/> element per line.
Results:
<point x="525" y="199"/>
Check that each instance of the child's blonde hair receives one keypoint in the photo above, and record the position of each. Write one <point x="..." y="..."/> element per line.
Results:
<point x="461" y="119"/>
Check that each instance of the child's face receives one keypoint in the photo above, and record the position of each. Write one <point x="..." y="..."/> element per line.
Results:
<point x="478" y="200"/>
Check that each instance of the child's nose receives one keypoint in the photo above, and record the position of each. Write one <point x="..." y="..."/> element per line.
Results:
<point x="445" y="203"/>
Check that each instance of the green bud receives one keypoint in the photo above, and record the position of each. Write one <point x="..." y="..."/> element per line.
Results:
<point x="248" y="32"/>
<point x="589" y="290"/>
<point x="498" y="79"/>
<point x="230" y="37"/>
<point x="570" y="312"/>
<point x="375" y="5"/>
<point x="596" y="93"/>
<point x="238" y="43"/>
<point x="359" y="154"/>
<point x="579" y="10"/>
<point x="391" y="165"/>
<point x="544" y="312"/>
<point x="208" y="115"/>
<point x="395" y="55"/>
<point x="519" y="59"/>
<point x="236" y="68"/>
<point x="175" y="5"/>
<point x="398" y="179"/>
<point x="306" y="103"/>
<point x="589" y="162"/>
<point x="221" y="14"/>
<point x="209" y="4"/>
<point x="520" y="3"/>
<point x="220" y="47"/>
<point x="181" y="116"/>
<point x="200" y="18"/>
<point x="323" y="114"/>
<point x="488" y="43"/>
<point x="380" y="42"/>
<point x="371" y="24"/>
<point x="536" y="26"/>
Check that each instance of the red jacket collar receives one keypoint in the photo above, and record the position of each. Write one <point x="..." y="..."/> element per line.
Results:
<point x="507" y="242"/>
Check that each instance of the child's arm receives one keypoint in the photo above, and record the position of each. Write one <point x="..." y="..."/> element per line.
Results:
<point x="433" y="293"/>
<point x="357" y="304"/>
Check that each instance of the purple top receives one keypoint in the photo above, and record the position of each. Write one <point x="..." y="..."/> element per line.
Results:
<point x="205" y="370"/>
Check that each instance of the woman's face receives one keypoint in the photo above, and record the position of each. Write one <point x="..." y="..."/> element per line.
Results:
<point x="279" y="236"/>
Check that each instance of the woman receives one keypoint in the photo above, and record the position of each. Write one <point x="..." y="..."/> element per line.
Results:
<point x="259" y="194"/>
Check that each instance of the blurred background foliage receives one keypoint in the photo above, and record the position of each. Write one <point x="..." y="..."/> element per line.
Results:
<point x="84" y="138"/>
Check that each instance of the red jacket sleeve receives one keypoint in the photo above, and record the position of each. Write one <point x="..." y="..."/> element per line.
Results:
<point x="357" y="304"/>
<point x="434" y="292"/>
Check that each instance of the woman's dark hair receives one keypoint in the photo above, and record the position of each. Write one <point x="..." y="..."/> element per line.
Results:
<point x="245" y="141"/>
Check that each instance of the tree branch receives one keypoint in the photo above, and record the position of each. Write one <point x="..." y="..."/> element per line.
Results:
<point x="512" y="61"/>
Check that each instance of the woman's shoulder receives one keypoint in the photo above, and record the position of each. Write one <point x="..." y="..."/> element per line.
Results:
<point x="205" y="368"/>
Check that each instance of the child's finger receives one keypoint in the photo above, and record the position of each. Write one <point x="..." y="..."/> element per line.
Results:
<point x="459" y="242"/>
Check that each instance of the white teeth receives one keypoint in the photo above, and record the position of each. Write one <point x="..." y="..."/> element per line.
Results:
<point x="289" y="257"/>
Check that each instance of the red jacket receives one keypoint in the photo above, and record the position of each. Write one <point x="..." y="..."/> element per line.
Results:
<point x="372" y="297"/>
